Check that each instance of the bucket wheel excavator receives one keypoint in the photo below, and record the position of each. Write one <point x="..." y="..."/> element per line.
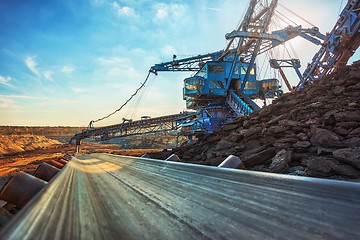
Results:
<point x="225" y="84"/>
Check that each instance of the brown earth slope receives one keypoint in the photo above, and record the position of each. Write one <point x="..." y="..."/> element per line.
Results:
<point x="62" y="134"/>
<point x="26" y="142"/>
<point x="312" y="132"/>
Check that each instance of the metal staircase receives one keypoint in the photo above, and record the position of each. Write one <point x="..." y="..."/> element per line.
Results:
<point x="237" y="104"/>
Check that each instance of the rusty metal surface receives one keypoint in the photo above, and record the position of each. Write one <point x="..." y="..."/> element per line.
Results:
<point x="46" y="171"/>
<point x="21" y="188"/>
<point x="62" y="161"/>
<point x="102" y="196"/>
<point x="56" y="164"/>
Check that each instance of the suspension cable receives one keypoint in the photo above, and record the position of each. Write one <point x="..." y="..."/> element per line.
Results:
<point x="134" y="105"/>
<point x="286" y="18"/>
<point x="141" y="97"/>
<point x="133" y="95"/>
<point x="297" y="15"/>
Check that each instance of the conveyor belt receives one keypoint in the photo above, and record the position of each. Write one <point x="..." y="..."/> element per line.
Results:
<point x="102" y="196"/>
<point x="144" y="126"/>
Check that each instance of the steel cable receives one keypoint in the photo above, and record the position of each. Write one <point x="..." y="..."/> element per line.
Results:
<point x="131" y="97"/>
<point x="297" y="15"/>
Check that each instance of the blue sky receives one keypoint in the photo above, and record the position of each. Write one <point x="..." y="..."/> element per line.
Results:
<point x="68" y="62"/>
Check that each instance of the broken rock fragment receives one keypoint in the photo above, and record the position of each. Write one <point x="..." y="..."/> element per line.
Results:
<point x="325" y="138"/>
<point x="280" y="163"/>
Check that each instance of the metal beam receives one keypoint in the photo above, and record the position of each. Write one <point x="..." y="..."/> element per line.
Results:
<point x="102" y="196"/>
<point x="131" y="128"/>
<point x="339" y="45"/>
<point x="186" y="64"/>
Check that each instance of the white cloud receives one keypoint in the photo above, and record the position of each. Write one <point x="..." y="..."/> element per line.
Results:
<point x="213" y="9"/>
<point x="175" y="11"/>
<point x="115" y="5"/>
<point x="5" y="81"/>
<point x="114" y="73"/>
<point x="31" y="64"/>
<point x="48" y="75"/>
<point x="161" y="10"/>
<point x="67" y="69"/>
<point x="17" y="96"/>
<point x="7" y="102"/>
<point x="127" y="11"/>
<point x="123" y="11"/>
<point x="161" y="13"/>
<point x="78" y="90"/>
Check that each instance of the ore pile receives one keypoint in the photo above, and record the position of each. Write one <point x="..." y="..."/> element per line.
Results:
<point x="313" y="132"/>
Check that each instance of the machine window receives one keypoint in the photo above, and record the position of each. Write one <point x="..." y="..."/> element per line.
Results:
<point x="216" y="69"/>
<point x="202" y="72"/>
<point x="216" y="84"/>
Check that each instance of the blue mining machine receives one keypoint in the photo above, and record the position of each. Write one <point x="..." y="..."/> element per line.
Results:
<point x="225" y="84"/>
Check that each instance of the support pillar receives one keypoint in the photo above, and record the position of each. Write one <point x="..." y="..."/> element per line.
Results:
<point x="78" y="142"/>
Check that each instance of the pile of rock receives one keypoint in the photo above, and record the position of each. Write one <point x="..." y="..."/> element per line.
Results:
<point x="312" y="132"/>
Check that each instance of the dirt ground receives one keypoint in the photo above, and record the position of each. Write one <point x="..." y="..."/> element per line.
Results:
<point x="28" y="161"/>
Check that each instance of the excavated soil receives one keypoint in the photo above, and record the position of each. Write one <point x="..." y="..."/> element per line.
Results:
<point x="27" y="142"/>
<point x="313" y="132"/>
<point x="27" y="161"/>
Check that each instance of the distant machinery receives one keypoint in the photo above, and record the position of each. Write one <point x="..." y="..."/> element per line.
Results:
<point x="225" y="83"/>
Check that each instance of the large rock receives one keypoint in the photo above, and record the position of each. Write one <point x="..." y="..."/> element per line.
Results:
<point x="341" y="131"/>
<point x="321" y="166"/>
<point x="289" y="123"/>
<point x="236" y="136"/>
<point x="259" y="157"/>
<point x="213" y="138"/>
<point x="302" y="144"/>
<point x="251" y="132"/>
<point x="352" y="142"/>
<point x="348" y="155"/>
<point x="280" y="163"/>
<point x="230" y="126"/>
<point x="329" y="118"/>
<point x="252" y="144"/>
<point x="339" y="90"/>
<point x="275" y="130"/>
<point x="348" y="125"/>
<point x="355" y="133"/>
<point x="325" y="138"/>
<point x="302" y="136"/>
<point x="224" y="144"/>
<point x="346" y="170"/>
<point x="348" y="116"/>
<point x="276" y="119"/>
<point x="356" y="86"/>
